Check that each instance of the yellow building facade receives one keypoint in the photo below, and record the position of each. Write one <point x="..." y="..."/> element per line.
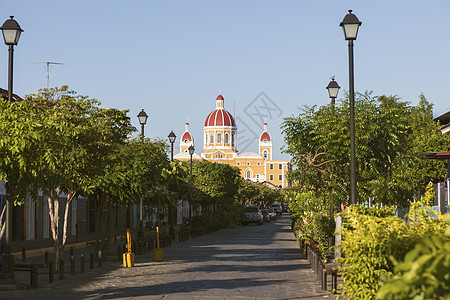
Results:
<point x="219" y="145"/>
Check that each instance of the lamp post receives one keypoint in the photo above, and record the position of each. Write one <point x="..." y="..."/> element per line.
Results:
<point x="350" y="25"/>
<point x="333" y="90"/>
<point x="11" y="34"/>
<point x="142" y="116"/>
<point x="172" y="138"/>
<point x="191" y="152"/>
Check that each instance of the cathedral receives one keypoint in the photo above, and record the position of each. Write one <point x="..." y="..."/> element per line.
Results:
<point x="219" y="145"/>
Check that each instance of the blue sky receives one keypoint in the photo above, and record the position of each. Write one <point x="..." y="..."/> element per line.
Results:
<point x="268" y="58"/>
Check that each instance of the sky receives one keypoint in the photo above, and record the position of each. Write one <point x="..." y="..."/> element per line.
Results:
<point x="267" y="58"/>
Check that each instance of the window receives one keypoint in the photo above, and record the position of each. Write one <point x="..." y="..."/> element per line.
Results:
<point x="271" y="166"/>
<point x="232" y="139"/>
<point x="271" y="177"/>
<point x="219" y="138"/>
<point x="248" y="164"/>
<point x="280" y="166"/>
<point x="206" y="138"/>
<point x="238" y="163"/>
<point x="248" y="174"/>
<point x="219" y="155"/>
<point x="227" y="138"/>
<point x="186" y="141"/>
<point x="265" y="154"/>
<point x="258" y="164"/>
<point x="280" y="177"/>
<point x="265" y="141"/>
<point x="211" y="139"/>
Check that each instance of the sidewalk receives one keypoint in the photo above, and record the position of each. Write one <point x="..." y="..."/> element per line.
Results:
<point x="251" y="262"/>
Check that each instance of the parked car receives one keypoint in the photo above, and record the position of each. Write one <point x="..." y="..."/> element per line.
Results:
<point x="265" y="214"/>
<point x="252" y="215"/>
<point x="272" y="213"/>
<point x="278" y="209"/>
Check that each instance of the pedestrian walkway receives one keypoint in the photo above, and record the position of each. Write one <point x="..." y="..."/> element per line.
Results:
<point x="250" y="262"/>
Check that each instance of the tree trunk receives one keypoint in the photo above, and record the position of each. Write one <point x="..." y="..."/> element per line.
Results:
<point x="97" y="225"/>
<point x="2" y="224"/>
<point x="53" y="210"/>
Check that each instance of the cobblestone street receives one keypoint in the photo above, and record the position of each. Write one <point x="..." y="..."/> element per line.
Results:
<point x="250" y="262"/>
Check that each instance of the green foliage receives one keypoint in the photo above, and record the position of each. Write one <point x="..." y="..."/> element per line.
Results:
<point x="256" y="193"/>
<point x="390" y="139"/>
<point x="310" y="217"/>
<point x="428" y="198"/>
<point x="371" y="242"/>
<point x="424" y="273"/>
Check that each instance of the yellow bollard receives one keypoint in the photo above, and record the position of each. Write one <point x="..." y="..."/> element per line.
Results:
<point x="128" y="258"/>
<point x="158" y="253"/>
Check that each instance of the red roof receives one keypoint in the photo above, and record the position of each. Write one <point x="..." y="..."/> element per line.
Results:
<point x="220" y="117"/>
<point x="186" y="136"/>
<point x="265" y="136"/>
<point x="219" y="97"/>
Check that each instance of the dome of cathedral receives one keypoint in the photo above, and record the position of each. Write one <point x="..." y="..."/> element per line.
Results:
<point x="265" y="136"/>
<point x="220" y="116"/>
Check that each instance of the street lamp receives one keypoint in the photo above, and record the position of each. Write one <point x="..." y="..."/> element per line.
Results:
<point x="11" y="34"/>
<point x="142" y="116"/>
<point x="172" y="138"/>
<point x="333" y="89"/>
<point x="191" y="152"/>
<point x="350" y="25"/>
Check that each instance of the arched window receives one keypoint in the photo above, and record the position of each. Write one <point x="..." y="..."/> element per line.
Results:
<point x="265" y="154"/>
<point x="227" y="138"/>
<point x="232" y="139"/>
<point x="211" y="139"/>
<point x="219" y="155"/>
<point x="248" y="174"/>
<point x="206" y="138"/>
<point x="219" y="138"/>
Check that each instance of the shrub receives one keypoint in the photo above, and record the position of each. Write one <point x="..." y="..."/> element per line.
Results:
<point x="425" y="272"/>
<point x="372" y="241"/>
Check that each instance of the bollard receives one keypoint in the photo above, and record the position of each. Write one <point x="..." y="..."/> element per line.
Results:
<point x="23" y="254"/>
<point x="91" y="261"/>
<point x="72" y="265"/>
<point x="82" y="263"/>
<point x="51" y="270"/>
<point x="46" y="259"/>
<point x="34" y="277"/>
<point x="100" y="260"/>
<point x="61" y="269"/>
<point x="119" y="253"/>
<point x="71" y="250"/>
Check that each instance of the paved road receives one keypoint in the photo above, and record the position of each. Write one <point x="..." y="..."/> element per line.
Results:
<point x="251" y="262"/>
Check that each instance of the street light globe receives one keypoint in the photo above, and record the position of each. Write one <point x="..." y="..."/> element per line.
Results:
<point x="191" y="149"/>
<point x="142" y="117"/>
<point x="333" y="88"/>
<point x="350" y="25"/>
<point x="11" y="31"/>
<point x="172" y="137"/>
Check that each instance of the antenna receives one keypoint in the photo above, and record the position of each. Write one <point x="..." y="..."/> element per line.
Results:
<point x="48" y="63"/>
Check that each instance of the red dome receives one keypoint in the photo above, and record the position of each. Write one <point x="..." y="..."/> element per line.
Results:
<point x="186" y="136"/>
<point x="219" y="97"/>
<point x="265" y="136"/>
<point x="220" y="117"/>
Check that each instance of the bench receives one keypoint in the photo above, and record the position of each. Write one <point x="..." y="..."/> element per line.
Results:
<point x="33" y="269"/>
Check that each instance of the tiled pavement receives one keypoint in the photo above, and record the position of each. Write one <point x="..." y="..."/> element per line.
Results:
<point x="251" y="262"/>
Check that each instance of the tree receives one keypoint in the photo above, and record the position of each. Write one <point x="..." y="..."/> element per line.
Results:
<point x="389" y="145"/>
<point x="75" y="135"/>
